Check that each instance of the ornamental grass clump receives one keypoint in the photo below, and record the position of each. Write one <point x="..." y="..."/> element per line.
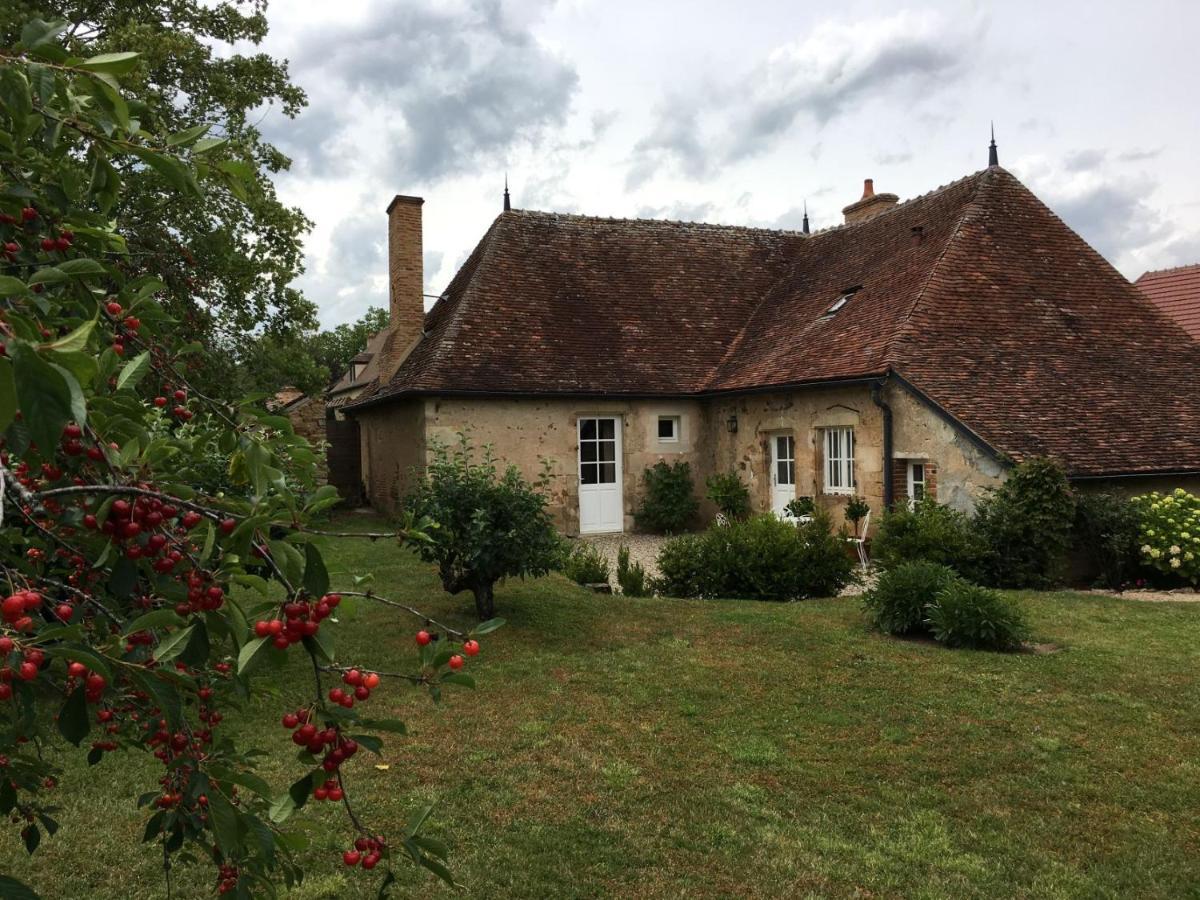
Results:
<point x="967" y="615"/>
<point x="900" y="600"/>
<point x="1170" y="533"/>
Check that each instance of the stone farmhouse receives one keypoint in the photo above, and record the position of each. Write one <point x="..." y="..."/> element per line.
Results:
<point x="919" y="348"/>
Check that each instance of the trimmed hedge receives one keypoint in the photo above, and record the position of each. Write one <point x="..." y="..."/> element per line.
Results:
<point x="761" y="558"/>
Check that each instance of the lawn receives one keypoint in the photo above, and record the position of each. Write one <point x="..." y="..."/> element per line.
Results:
<point x="666" y="748"/>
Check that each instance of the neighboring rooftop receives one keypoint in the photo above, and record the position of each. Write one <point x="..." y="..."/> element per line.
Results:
<point x="975" y="293"/>
<point x="1177" y="293"/>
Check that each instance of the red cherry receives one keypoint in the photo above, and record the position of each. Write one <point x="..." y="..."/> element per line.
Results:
<point x="28" y="214"/>
<point x="27" y="672"/>
<point x="180" y="395"/>
<point x="423" y="638"/>
<point x="5" y="690"/>
<point x="118" y="349"/>
<point x="456" y="662"/>
<point x="291" y="720"/>
<point x="48" y="244"/>
<point x="61" y="243"/>
<point x="227" y="525"/>
<point x="64" y="611"/>
<point x="262" y="629"/>
<point x="132" y="323"/>
<point x="353" y="677"/>
<point x="113" y="307"/>
<point x="350" y="857"/>
<point x="371" y="681"/>
<point x="76" y="669"/>
<point x="160" y="402"/>
<point x="371" y="861"/>
<point x="6" y="644"/>
<point x="331" y="600"/>
<point x="471" y="648"/>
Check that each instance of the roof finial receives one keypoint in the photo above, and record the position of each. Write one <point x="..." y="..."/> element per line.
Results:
<point x="804" y="224"/>
<point x="993" y="156"/>
<point x="507" y="204"/>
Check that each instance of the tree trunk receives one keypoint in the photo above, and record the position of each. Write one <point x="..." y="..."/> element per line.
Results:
<point x="485" y="602"/>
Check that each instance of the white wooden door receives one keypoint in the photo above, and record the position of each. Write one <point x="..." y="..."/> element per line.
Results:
<point x="601" y="505"/>
<point x="783" y="472"/>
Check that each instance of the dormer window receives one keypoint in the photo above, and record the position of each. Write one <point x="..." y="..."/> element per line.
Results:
<point x="841" y="301"/>
<point x="355" y="371"/>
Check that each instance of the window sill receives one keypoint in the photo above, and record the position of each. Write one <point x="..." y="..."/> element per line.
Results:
<point x="839" y="492"/>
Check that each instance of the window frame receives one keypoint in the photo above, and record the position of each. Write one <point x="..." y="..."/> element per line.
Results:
<point x="913" y="483"/>
<point x="676" y="428"/>
<point x="839" y="466"/>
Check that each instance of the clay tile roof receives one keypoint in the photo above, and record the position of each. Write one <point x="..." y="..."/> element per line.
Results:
<point x="1177" y="293"/>
<point x="975" y="294"/>
<point x="369" y="373"/>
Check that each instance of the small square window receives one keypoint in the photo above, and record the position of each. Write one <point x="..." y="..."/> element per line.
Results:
<point x="668" y="429"/>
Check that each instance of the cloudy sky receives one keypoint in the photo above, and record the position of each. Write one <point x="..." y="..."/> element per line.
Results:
<point x="731" y="112"/>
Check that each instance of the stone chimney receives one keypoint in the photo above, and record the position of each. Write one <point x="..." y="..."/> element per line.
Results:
<point x="871" y="204"/>
<point x="406" y="283"/>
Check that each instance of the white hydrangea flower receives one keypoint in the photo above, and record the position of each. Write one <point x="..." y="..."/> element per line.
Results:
<point x="1175" y="564"/>
<point x="1155" y="553"/>
<point x="1175" y="550"/>
<point x="1146" y="549"/>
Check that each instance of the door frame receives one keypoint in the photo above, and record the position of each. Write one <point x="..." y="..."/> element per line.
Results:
<point x="618" y="420"/>
<point x="774" y="458"/>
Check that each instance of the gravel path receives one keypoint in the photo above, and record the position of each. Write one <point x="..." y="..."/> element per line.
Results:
<point x="1182" y="595"/>
<point x="644" y="548"/>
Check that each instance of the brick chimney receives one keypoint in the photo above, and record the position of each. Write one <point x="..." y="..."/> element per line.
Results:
<point x="871" y="204"/>
<point x="406" y="283"/>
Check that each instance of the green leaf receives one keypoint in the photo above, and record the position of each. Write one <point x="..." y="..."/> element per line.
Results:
<point x="76" y="340"/>
<point x="8" y="394"/>
<point x="111" y="63"/>
<point x="80" y="364"/>
<point x="33" y="837"/>
<point x="134" y="370"/>
<point x="172" y="645"/>
<point x="188" y="135"/>
<point x="210" y="538"/>
<point x="244" y="779"/>
<point x="487" y="627"/>
<point x="123" y="578"/>
<point x="37" y="34"/>
<point x="81" y="266"/>
<point x="11" y="287"/>
<point x="289" y="559"/>
<point x="43" y="395"/>
<point x="73" y="720"/>
<point x="158" y="618"/>
<point x="166" y="696"/>
<point x="369" y="741"/>
<point x="320" y="645"/>
<point x="460" y="678"/>
<point x="176" y="173"/>
<point x="316" y="576"/>
<point x="48" y="275"/>
<point x="11" y="889"/>
<point x="224" y="820"/>
<point x="253" y="655"/>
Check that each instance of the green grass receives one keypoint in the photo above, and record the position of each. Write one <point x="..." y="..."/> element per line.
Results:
<point x="665" y="748"/>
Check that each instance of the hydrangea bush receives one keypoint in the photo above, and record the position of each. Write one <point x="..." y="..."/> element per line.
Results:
<point x="1170" y="533"/>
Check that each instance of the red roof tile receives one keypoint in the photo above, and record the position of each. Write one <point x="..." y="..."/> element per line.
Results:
<point x="1177" y="293"/>
<point x="976" y="294"/>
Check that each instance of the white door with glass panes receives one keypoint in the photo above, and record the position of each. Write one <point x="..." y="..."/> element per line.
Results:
<point x="783" y="472"/>
<point x="601" y="506"/>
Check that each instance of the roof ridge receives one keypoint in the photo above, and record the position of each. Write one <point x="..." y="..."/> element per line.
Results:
<point x="904" y="327"/>
<point x="1181" y="268"/>
<point x="638" y="220"/>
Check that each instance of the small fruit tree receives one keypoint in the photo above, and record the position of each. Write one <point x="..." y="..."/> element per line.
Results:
<point x="118" y="630"/>
<point x="490" y="524"/>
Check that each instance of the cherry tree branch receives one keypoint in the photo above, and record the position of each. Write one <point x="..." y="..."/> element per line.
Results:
<point x="371" y="595"/>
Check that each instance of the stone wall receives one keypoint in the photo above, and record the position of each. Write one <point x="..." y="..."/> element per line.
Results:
<point x="307" y="416"/>
<point x="528" y="431"/>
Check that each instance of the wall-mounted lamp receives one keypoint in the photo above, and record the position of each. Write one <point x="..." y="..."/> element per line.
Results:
<point x="731" y="424"/>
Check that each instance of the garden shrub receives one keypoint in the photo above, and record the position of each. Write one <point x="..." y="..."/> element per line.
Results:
<point x="899" y="602"/>
<point x="1108" y="532"/>
<point x="761" y="558"/>
<point x="669" y="504"/>
<point x="1170" y="533"/>
<point x="1026" y="523"/>
<point x="586" y="565"/>
<point x="631" y="576"/>
<point x="730" y="495"/>
<point x="967" y="615"/>
<point x="801" y="506"/>
<point x="929" y="531"/>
